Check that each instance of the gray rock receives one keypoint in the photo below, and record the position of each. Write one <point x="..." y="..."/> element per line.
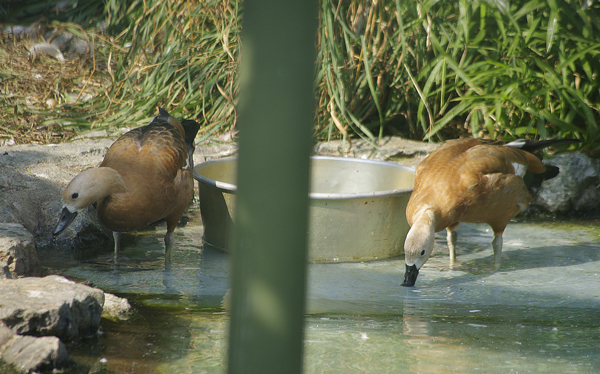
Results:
<point x="67" y="42"/>
<point x="78" y="46"/>
<point x="18" y="256"/>
<point x="116" y="308"/>
<point x="32" y="354"/>
<point x="52" y="305"/>
<point x="59" y="39"/>
<point x="575" y="190"/>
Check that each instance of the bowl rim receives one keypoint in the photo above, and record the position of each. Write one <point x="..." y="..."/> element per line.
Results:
<point x="232" y="188"/>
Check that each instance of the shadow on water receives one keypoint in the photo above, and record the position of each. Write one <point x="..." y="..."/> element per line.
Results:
<point x="526" y="247"/>
<point x="539" y="313"/>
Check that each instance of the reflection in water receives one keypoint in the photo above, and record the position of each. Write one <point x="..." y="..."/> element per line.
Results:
<point x="429" y="353"/>
<point x="451" y="339"/>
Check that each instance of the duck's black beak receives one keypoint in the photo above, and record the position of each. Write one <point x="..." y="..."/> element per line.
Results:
<point x="410" y="276"/>
<point x="66" y="217"/>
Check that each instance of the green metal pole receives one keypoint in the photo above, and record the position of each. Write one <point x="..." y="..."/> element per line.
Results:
<point x="276" y="112"/>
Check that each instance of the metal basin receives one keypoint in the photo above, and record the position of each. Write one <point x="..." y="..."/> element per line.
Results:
<point x="357" y="207"/>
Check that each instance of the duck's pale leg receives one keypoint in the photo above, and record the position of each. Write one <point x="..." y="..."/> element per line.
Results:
<point x="497" y="246"/>
<point x="117" y="238"/>
<point x="169" y="242"/>
<point x="451" y="239"/>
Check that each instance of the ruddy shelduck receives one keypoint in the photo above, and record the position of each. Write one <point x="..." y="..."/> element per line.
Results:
<point x="469" y="180"/>
<point x="146" y="176"/>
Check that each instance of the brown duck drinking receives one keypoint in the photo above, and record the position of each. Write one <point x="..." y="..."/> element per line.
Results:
<point x="146" y="176"/>
<point x="469" y="180"/>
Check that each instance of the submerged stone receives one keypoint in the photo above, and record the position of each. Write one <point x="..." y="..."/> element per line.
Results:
<point x="116" y="308"/>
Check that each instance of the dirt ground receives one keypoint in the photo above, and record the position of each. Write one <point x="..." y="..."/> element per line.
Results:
<point x="34" y="87"/>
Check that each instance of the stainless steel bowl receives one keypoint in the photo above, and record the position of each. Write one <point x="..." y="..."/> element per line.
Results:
<point x="357" y="207"/>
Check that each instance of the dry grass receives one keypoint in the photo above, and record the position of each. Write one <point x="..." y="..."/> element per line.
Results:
<point x="33" y="88"/>
<point x="178" y="55"/>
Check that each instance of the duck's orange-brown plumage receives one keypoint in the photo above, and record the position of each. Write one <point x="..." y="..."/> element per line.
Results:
<point x="468" y="180"/>
<point x="152" y="162"/>
<point x="471" y="180"/>
<point x="146" y="176"/>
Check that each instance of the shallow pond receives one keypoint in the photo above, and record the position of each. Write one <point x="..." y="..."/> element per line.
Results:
<point x="539" y="313"/>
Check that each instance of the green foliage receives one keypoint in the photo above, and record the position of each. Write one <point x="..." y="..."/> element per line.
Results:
<point x="425" y="69"/>
<point x="492" y="68"/>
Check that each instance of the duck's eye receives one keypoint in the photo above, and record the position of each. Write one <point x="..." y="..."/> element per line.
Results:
<point x="423" y="252"/>
<point x="74" y="196"/>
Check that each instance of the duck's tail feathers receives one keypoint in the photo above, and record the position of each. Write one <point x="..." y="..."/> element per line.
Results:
<point x="191" y="128"/>
<point x="533" y="182"/>
<point x="163" y="116"/>
<point x="535" y="145"/>
<point x="163" y="113"/>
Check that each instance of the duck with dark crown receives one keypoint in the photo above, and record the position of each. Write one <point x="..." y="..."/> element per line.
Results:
<point x="469" y="180"/>
<point x="146" y="176"/>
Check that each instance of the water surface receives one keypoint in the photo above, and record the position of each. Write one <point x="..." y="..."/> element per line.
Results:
<point x="539" y="313"/>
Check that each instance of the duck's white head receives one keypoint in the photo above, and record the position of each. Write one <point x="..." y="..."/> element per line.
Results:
<point x="418" y="246"/>
<point x="85" y="189"/>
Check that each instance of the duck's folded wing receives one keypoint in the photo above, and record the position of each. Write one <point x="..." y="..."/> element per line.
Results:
<point x="159" y="144"/>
